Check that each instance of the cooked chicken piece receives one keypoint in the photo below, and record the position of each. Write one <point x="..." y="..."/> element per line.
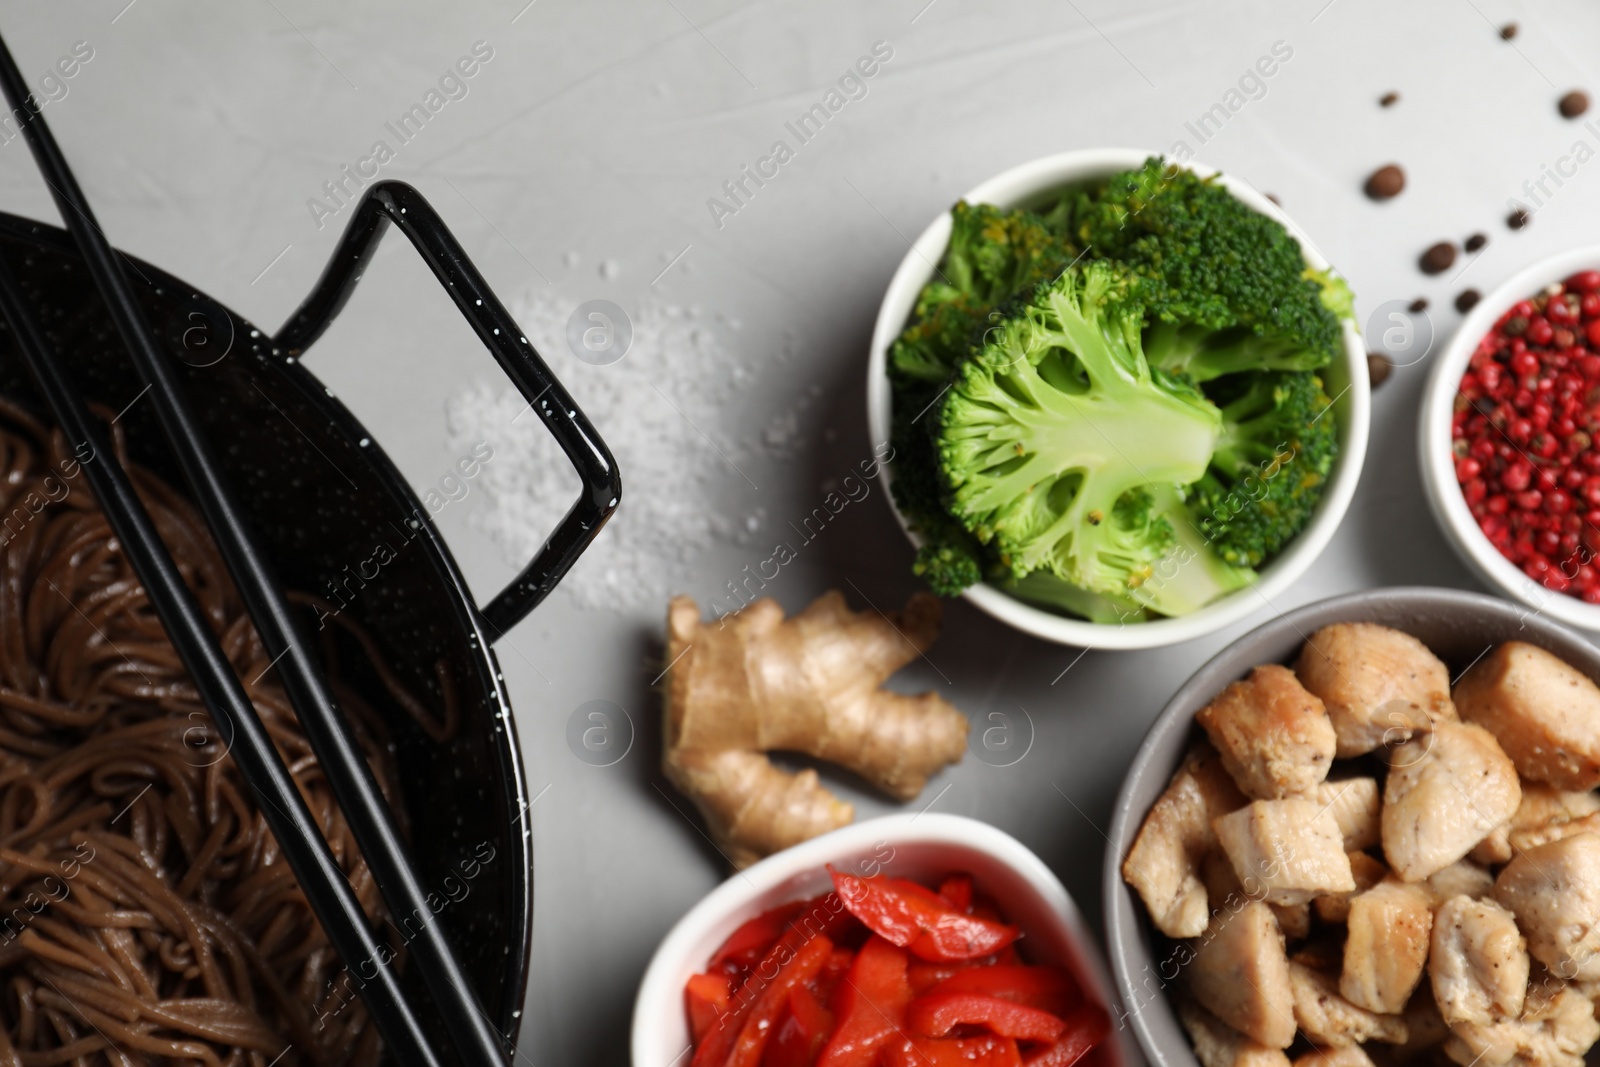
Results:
<point x="1357" y="809"/>
<point x="1163" y="863"/>
<point x="1548" y="814"/>
<point x="1349" y="1056"/>
<point x="1496" y="1045"/>
<point x="1478" y="962"/>
<point x="1330" y="1020"/>
<point x="1558" y="1037"/>
<point x="1380" y="686"/>
<point x="1494" y="849"/>
<point x="1290" y="850"/>
<point x="1425" y="1027"/>
<point x="1240" y="974"/>
<point x="1463" y="878"/>
<point x="1544" y="994"/>
<point x="1386" y="949"/>
<point x="1367" y="872"/>
<point x="1217" y="1044"/>
<point x="1274" y="737"/>
<point x="1534" y="836"/>
<point x="1543" y="804"/>
<point x="1224" y="891"/>
<point x="1566" y="814"/>
<point x="1293" y="919"/>
<point x="1540" y="999"/>
<point x="1446" y="790"/>
<point x="1544" y="712"/>
<point x="1554" y="891"/>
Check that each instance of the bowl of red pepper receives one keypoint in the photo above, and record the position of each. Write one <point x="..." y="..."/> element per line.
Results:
<point x="1509" y="437"/>
<point x="907" y="939"/>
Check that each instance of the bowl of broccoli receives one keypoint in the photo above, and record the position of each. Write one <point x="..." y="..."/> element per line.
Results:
<point x="1126" y="405"/>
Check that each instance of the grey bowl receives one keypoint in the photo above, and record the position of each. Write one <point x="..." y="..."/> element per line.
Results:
<point x="1457" y="626"/>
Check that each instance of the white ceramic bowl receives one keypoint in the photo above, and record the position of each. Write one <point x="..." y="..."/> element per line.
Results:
<point x="1346" y="380"/>
<point x="1438" y="464"/>
<point x="904" y="846"/>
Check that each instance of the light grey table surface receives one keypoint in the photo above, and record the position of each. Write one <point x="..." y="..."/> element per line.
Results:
<point x="598" y="132"/>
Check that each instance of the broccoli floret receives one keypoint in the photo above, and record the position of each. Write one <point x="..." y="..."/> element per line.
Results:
<point x="950" y="558"/>
<point x="1271" y="465"/>
<point x="1201" y="354"/>
<point x="1209" y="260"/>
<point x="992" y="255"/>
<point x="943" y="323"/>
<point x="1187" y="577"/>
<point x="1048" y="591"/>
<point x="1334" y="293"/>
<point x="1056" y="435"/>
<point x="1193" y="573"/>
<point x="995" y="254"/>
<point x="947" y="565"/>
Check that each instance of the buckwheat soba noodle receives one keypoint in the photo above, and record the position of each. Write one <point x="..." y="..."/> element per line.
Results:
<point x="146" y="913"/>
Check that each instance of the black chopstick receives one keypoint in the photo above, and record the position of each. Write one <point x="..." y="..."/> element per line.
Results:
<point x="476" y="1042"/>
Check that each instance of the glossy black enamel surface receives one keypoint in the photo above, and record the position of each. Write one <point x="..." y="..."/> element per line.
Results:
<point x="325" y="502"/>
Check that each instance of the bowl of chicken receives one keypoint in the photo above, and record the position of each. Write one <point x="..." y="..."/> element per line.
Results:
<point x="1367" y="832"/>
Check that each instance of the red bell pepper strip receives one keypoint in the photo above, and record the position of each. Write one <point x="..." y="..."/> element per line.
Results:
<point x="705" y="996"/>
<point x="956" y="891"/>
<point x="915" y="918"/>
<point x="769" y="1006"/>
<point x="984" y="908"/>
<point x="827" y="979"/>
<point x="800" y="1037"/>
<point x="748" y="993"/>
<point x="1049" y="989"/>
<point x="985" y="1051"/>
<point x="938" y="1013"/>
<point x="746" y="945"/>
<point x="814" y="1018"/>
<point x="870" y="1006"/>
<point x="789" y="1047"/>
<point x="925" y="976"/>
<point x="1085" y="1028"/>
<point x="827" y="915"/>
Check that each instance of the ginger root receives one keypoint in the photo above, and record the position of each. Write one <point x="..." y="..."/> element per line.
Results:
<point x="752" y="682"/>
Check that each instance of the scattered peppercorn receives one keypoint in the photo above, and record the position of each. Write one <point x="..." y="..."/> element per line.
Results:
<point x="1378" y="368"/>
<point x="1273" y="197"/>
<point x="1573" y="104"/>
<point x="1467" y="299"/>
<point x="1527" y="412"/>
<point x="1389" y="99"/>
<point x="1419" y="304"/>
<point x="1518" y="219"/>
<point x="1385" y="182"/>
<point x="1508" y="31"/>
<point x="1475" y="242"/>
<point x="1438" y="258"/>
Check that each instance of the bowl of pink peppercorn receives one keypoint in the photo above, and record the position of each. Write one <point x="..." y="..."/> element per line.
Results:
<point x="1510" y="438"/>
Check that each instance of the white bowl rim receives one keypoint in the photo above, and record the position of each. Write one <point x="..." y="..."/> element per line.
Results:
<point x="1434" y="442"/>
<point x="1041" y="175"/>
<point x="661" y="989"/>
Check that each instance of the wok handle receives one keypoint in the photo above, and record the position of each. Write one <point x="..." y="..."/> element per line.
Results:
<point x="399" y="203"/>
